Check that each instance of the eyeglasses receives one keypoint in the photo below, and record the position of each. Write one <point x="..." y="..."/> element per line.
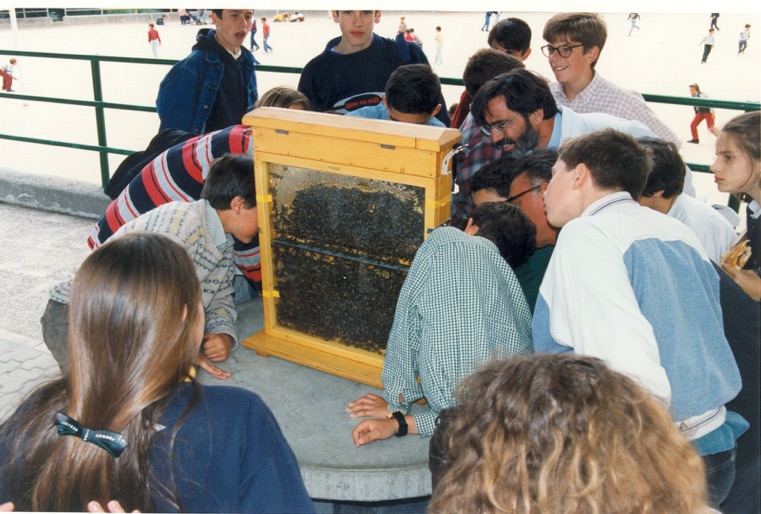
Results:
<point x="563" y="50"/>
<point x="527" y="191"/>
<point x="500" y="126"/>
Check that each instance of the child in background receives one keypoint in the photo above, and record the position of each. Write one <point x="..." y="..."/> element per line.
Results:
<point x="744" y="37"/>
<point x="7" y="73"/>
<point x="701" y="113"/>
<point x="154" y="39"/>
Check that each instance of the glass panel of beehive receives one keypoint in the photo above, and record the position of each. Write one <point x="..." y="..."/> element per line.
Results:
<point x="341" y="248"/>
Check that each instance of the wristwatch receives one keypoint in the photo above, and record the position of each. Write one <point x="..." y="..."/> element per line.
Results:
<point x="399" y="417"/>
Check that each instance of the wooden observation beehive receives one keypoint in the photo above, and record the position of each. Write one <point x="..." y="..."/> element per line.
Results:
<point x="344" y="203"/>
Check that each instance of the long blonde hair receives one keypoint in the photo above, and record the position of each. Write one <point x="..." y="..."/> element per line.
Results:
<point x="564" y="433"/>
<point x="134" y="306"/>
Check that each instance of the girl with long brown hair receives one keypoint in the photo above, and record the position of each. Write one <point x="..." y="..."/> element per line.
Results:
<point x="128" y="421"/>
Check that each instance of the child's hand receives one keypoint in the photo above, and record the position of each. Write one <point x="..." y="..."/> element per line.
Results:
<point x="113" y="506"/>
<point x="203" y="362"/>
<point x="747" y="280"/>
<point x="217" y="347"/>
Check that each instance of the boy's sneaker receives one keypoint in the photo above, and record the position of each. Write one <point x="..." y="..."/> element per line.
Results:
<point x="694" y="141"/>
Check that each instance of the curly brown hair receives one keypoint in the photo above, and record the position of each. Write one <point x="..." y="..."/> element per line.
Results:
<point x="565" y="433"/>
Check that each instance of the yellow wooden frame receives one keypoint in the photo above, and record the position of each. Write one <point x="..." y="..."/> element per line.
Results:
<point x="379" y="150"/>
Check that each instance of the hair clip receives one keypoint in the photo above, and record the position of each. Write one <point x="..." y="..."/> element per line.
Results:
<point x="112" y="442"/>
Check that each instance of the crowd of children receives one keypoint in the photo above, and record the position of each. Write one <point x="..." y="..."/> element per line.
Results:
<point x="585" y="332"/>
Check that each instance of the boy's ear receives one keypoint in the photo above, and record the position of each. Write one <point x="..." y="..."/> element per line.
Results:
<point x="471" y="228"/>
<point x="593" y="54"/>
<point x="435" y="111"/>
<point x="237" y="203"/>
<point x="581" y="175"/>
<point x="526" y="54"/>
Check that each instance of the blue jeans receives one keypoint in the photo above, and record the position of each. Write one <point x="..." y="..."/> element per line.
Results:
<point x="745" y="495"/>
<point x="720" y="475"/>
<point x="267" y="47"/>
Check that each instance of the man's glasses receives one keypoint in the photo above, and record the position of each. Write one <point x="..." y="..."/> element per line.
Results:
<point x="500" y="126"/>
<point x="563" y="50"/>
<point x="527" y="191"/>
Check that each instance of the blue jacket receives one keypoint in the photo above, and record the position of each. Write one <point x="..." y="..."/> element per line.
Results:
<point x="187" y="93"/>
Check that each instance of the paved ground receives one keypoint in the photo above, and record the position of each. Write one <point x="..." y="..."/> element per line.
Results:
<point x="37" y="249"/>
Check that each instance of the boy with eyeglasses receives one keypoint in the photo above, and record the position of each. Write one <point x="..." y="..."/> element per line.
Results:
<point x="575" y="43"/>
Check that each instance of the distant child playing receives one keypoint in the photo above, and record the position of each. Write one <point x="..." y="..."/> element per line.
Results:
<point x="154" y="39"/>
<point x="7" y="73"/>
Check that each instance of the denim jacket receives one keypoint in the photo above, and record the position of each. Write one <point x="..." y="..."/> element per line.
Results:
<point x="187" y="93"/>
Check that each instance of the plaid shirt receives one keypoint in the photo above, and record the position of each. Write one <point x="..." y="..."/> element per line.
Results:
<point x="459" y="307"/>
<point x="606" y="97"/>
<point x="480" y="152"/>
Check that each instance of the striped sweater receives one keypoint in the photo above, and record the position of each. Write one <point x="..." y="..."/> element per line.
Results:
<point x="177" y="175"/>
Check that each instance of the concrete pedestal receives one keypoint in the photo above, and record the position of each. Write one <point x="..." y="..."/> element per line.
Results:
<point x="310" y="407"/>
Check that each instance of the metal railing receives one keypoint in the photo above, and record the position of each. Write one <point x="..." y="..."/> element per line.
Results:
<point x="100" y="105"/>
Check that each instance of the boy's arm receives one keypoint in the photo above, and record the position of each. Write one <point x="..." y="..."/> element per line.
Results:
<point x="400" y="365"/>
<point x="221" y="315"/>
<point x="177" y="110"/>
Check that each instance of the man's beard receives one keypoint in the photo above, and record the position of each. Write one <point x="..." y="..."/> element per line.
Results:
<point x="525" y="143"/>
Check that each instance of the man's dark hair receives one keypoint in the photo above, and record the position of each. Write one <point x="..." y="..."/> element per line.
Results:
<point x="666" y="168"/>
<point x="218" y="12"/>
<point x="586" y="28"/>
<point x="230" y="176"/>
<point x="615" y="160"/>
<point x="413" y="89"/>
<point x="496" y="175"/>
<point x="511" y="34"/>
<point x="508" y="228"/>
<point x="524" y="92"/>
<point x="486" y="64"/>
<point x="537" y="165"/>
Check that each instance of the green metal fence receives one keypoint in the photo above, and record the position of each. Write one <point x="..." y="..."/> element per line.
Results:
<point x="99" y="105"/>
